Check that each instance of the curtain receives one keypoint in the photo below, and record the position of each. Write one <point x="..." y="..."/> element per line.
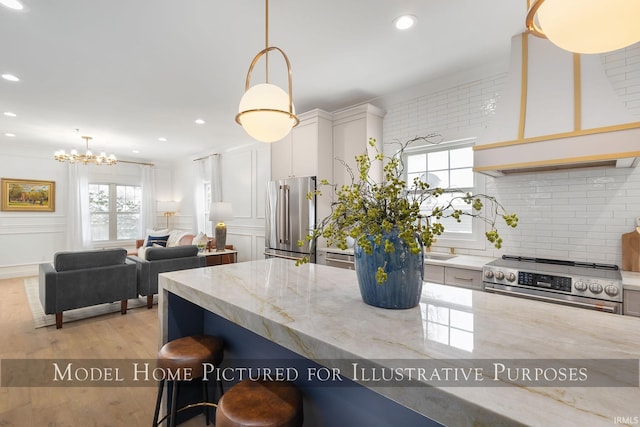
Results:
<point x="148" y="214"/>
<point x="208" y="170"/>
<point x="215" y="179"/>
<point x="78" y="219"/>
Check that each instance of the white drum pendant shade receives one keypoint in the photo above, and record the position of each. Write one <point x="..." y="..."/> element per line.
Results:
<point x="264" y="113"/>
<point x="590" y="26"/>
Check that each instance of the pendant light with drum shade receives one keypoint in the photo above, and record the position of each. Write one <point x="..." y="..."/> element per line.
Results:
<point x="266" y="111"/>
<point x="585" y="26"/>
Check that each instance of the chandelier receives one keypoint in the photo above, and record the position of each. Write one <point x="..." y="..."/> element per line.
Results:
<point x="585" y="26"/>
<point x="266" y="111"/>
<point x="87" y="157"/>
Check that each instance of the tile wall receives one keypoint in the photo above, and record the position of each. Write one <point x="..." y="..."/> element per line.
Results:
<point x="578" y="214"/>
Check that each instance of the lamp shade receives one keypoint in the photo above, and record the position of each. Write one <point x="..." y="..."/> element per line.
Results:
<point x="220" y="211"/>
<point x="168" y="206"/>
<point x="264" y="113"/>
<point x="590" y="26"/>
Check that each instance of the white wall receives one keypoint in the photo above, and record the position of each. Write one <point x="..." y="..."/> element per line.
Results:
<point x="577" y="214"/>
<point x="244" y="171"/>
<point x="28" y="238"/>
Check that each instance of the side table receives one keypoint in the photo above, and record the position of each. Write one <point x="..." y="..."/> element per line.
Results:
<point x="228" y="256"/>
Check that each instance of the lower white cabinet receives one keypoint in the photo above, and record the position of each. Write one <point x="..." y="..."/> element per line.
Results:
<point x="453" y="276"/>
<point x="631" y="302"/>
<point x="434" y="273"/>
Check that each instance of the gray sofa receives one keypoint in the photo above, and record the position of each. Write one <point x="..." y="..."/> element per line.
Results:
<point x="85" y="278"/>
<point x="161" y="260"/>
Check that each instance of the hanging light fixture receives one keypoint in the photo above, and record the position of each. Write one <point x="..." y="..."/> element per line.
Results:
<point x="266" y="111"/>
<point x="585" y="26"/>
<point x="87" y="157"/>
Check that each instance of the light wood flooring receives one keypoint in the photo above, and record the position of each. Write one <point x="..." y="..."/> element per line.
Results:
<point x="134" y="335"/>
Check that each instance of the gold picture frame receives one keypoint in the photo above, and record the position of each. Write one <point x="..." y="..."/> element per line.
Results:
<point x="28" y="195"/>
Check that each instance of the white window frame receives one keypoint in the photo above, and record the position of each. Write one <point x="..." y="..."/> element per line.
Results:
<point x="113" y="214"/>
<point x="476" y="239"/>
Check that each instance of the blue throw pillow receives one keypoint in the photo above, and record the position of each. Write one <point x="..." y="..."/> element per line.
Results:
<point x="157" y="240"/>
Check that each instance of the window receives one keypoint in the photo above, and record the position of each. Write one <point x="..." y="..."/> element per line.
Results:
<point x="449" y="166"/>
<point x="114" y="211"/>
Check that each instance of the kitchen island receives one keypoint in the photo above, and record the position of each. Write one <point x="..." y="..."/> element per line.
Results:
<point x="315" y="313"/>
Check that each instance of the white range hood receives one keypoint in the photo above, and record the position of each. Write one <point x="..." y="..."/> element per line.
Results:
<point x="557" y="111"/>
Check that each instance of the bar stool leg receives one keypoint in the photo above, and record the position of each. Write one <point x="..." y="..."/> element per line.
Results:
<point x="174" y="404"/>
<point x="205" y="398"/>
<point x="158" y="401"/>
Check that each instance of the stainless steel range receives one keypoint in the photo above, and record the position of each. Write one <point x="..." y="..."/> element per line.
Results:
<point x="581" y="284"/>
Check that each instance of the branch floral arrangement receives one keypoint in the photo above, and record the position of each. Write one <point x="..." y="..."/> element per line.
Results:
<point x="366" y="208"/>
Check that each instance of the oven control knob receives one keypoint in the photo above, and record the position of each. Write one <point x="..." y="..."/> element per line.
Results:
<point x="580" y="286"/>
<point x="596" y="288"/>
<point x="488" y="274"/>
<point x="499" y="275"/>
<point x="611" y="290"/>
<point x="511" y="277"/>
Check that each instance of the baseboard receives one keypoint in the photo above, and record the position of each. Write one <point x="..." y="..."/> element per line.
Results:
<point x="13" y="271"/>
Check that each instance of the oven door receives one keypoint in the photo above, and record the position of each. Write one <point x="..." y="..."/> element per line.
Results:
<point x="556" y="298"/>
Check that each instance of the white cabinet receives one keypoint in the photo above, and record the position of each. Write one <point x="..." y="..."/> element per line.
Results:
<point x="453" y="276"/>
<point x="434" y="274"/>
<point x="307" y="150"/>
<point x="631" y="304"/>
<point x="352" y="129"/>
<point x="463" y="277"/>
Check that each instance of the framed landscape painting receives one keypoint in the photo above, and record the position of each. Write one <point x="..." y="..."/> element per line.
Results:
<point x="28" y="195"/>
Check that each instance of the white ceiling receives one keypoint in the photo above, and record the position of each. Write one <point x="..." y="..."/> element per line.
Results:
<point x="127" y="72"/>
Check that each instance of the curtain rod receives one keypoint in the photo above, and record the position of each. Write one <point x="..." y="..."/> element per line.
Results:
<point x="206" y="157"/>
<point x="135" y="163"/>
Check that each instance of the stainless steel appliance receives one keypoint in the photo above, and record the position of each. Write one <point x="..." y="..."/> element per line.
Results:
<point x="581" y="284"/>
<point x="290" y="217"/>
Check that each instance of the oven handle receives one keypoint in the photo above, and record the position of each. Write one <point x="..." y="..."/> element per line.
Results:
<point x="272" y="255"/>
<point x="556" y="300"/>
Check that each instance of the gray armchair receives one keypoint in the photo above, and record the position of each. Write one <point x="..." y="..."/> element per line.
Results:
<point x="161" y="260"/>
<point x="85" y="278"/>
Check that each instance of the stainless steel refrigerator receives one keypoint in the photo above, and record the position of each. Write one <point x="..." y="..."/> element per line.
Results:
<point x="290" y="217"/>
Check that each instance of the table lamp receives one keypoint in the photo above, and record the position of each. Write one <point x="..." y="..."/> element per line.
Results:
<point x="220" y="211"/>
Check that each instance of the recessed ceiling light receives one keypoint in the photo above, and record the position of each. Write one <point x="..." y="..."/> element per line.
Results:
<point x="200" y="121"/>
<point x="11" y="135"/>
<point x="162" y="139"/>
<point x="10" y="77"/>
<point x="10" y="114"/>
<point x="404" y="22"/>
<point x="12" y="4"/>
<point x="135" y="151"/>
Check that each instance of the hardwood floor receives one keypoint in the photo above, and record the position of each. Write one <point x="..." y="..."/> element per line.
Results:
<point x="113" y="336"/>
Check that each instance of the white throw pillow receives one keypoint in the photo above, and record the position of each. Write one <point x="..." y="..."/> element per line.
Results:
<point x="175" y="236"/>
<point x="200" y="239"/>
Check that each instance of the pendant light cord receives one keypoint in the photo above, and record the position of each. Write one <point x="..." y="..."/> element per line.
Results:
<point x="266" y="39"/>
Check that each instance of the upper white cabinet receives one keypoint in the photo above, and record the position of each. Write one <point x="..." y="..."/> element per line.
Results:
<point x="352" y="128"/>
<point x="307" y="150"/>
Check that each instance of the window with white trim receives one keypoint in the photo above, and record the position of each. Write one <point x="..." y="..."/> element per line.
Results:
<point x="449" y="166"/>
<point x="114" y="211"/>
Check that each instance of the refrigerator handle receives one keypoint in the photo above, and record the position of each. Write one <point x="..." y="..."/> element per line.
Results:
<point x="283" y="215"/>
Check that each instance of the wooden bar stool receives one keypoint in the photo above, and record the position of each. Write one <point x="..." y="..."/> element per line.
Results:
<point x="187" y="353"/>
<point x="260" y="404"/>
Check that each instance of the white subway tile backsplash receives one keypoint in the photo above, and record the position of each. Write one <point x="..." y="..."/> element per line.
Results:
<point x="578" y="214"/>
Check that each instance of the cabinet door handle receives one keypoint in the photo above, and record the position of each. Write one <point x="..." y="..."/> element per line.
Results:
<point x="467" y="279"/>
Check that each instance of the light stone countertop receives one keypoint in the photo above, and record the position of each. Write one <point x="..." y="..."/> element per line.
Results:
<point x="316" y="311"/>
<point x="472" y="262"/>
<point x="631" y="280"/>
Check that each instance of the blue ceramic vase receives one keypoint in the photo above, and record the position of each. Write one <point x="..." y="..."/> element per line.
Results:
<point x="405" y="272"/>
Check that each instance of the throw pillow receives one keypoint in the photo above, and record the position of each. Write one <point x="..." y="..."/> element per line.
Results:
<point x="200" y="239"/>
<point x="154" y="233"/>
<point x="157" y="240"/>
